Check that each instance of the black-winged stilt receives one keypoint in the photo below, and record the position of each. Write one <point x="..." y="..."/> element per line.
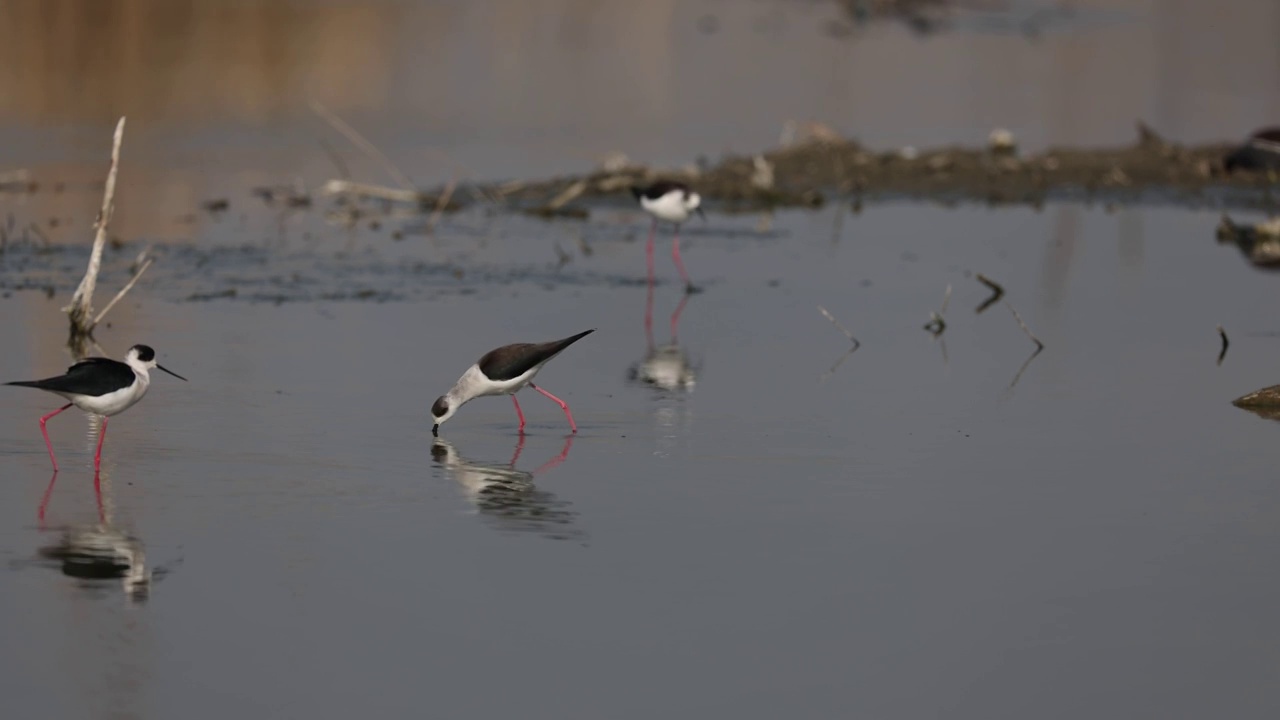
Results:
<point x="504" y="371"/>
<point x="100" y="386"/>
<point x="1260" y="152"/>
<point x="673" y="202"/>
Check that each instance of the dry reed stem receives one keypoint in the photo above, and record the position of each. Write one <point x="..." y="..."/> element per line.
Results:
<point x="359" y="141"/>
<point x="82" y="301"/>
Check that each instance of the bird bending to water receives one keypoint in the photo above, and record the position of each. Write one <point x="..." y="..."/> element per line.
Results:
<point x="100" y="386"/>
<point x="504" y="371"/>
<point x="673" y="202"/>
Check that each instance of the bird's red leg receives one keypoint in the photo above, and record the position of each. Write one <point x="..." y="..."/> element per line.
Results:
<point x="563" y="406"/>
<point x="45" y="432"/>
<point x="648" y="249"/>
<point x="675" y="255"/>
<point x="519" y="414"/>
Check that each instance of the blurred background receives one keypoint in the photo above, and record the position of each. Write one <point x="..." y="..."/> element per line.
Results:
<point x="754" y="521"/>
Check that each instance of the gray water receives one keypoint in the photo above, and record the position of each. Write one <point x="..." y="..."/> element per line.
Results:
<point x="937" y="527"/>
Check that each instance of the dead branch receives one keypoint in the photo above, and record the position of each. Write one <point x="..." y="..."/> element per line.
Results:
<point x="127" y="287"/>
<point x="81" y="306"/>
<point x="997" y="292"/>
<point x="359" y="141"/>
<point x="1024" y="327"/>
<point x="1225" y="343"/>
<point x="840" y="327"/>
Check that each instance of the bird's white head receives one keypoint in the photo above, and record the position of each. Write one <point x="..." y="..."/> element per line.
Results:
<point x="442" y="410"/>
<point x="142" y="358"/>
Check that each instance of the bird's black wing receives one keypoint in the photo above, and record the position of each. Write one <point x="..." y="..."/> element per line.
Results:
<point x="658" y="189"/>
<point x="511" y="361"/>
<point x="93" y="376"/>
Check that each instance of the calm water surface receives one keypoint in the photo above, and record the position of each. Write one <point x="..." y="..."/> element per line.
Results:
<point x="935" y="528"/>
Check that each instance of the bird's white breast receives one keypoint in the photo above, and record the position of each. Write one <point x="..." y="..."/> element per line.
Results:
<point x="113" y="403"/>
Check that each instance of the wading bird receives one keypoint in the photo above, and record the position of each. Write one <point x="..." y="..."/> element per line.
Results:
<point x="503" y="371"/>
<point x="100" y="386"/>
<point x="673" y="202"/>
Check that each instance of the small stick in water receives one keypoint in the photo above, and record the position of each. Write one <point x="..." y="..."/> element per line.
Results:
<point x="997" y="292"/>
<point x="840" y="327"/>
<point x="1225" y="343"/>
<point x="1024" y="327"/>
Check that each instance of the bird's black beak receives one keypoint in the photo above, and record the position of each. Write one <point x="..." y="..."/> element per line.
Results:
<point x="435" y="430"/>
<point x="699" y="211"/>
<point x="161" y="367"/>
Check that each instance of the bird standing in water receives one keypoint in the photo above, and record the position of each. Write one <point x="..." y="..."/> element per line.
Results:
<point x="504" y="371"/>
<point x="100" y="386"/>
<point x="673" y="202"/>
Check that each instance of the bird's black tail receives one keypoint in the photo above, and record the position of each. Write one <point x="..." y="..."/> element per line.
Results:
<point x="561" y="345"/>
<point x="638" y="192"/>
<point x="37" y="384"/>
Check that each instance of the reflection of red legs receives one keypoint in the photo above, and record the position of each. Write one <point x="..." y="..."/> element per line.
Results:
<point x="648" y="249"/>
<point x="44" y="501"/>
<point x="519" y="446"/>
<point x="563" y="406"/>
<point x="648" y="318"/>
<point x="675" y="255"/>
<point x="97" y="458"/>
<point x="553" y="462"/>
<point x="97" y="492"/>
<point x="519" y="413"/>
<point x="675" y="318"/>
<point x="45" y="432"/>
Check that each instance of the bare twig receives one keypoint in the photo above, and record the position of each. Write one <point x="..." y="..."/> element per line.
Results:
<point x="840" y="327"/>
<point x="936" y="324"/>
<point x="441" y="203"/>
<point x="82" y="301"/>
<point x="127" y="287"/>
<point x="1225" y="343"/>
<point x="1024" y="327"/>
<point x="997" y="292"/>
<point x="379" y="192"/>
<point x="336" y="159"/>
<point x="359" y="141"/>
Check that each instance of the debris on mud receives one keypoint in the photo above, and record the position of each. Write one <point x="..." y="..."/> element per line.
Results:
<point x="821" y="165"/>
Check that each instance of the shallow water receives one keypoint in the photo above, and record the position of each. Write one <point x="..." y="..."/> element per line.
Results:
<point x="925" y="527"/>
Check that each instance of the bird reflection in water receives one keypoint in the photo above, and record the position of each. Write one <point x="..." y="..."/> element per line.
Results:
<point x="507" y="497"/>
<point x="665" y="367"/>
<point x="98" y="553"/>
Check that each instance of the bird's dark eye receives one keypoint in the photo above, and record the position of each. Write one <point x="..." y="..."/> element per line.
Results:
<point x="440" y="407"/>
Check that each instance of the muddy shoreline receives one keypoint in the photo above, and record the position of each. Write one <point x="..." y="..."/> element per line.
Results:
<point x="822" y="167"/>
